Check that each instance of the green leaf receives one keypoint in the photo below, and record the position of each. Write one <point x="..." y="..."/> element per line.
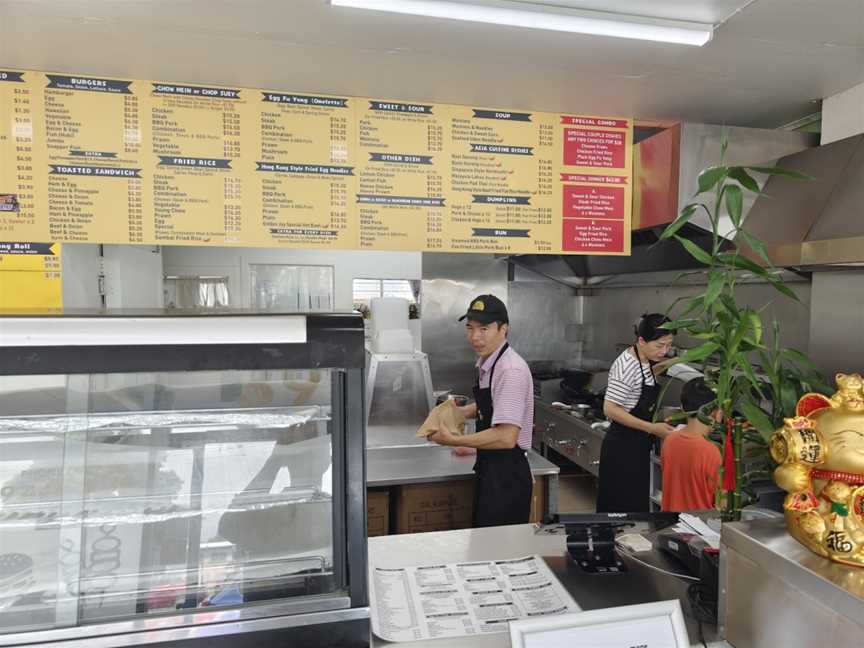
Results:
<point x="695" y="251"/>
<point x="755" y="325"/>
<point x="796" y="356"/>
<point x="724" y="143"/>
<point x="689" y="273"/>
<point x="737" y="261"/>
<point x="716" y="281"/>
<point x="745" y="179"/>
<point x="699" y="353"/>
<point x="694" y="304"/>
<point x="758" y="419"/>
<point x="781" y="287"/>
<point x="709" y="177"/>
<point x="729" y="302"/>
<point x="679" y="324"/>
<point x="789" y="173"/>
<point x="747" y="368"/>
<point x="679" y="222"/>
<point x="757" y="246"/>
<point x="734" y="203"/>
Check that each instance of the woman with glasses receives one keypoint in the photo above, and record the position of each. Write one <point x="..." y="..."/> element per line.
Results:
<point x="631" y="398"/>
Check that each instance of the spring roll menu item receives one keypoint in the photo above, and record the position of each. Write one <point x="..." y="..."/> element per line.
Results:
<point x="501" y="182"/>
<point x="198" y="146"/>
<point x="463" y="599"/>
<point x="304" y="171"/>
<point x="30" y="275"/>
<point x="400" y="185"/>
<point x="595" y="184"/>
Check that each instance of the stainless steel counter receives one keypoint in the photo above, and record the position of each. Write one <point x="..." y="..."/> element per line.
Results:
<point x="394" y="456"/>
<point x="640" y="585"/>
<point x="776" y="592"/>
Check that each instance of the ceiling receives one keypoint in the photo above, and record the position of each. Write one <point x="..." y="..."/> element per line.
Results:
<point x="769" y="59"/>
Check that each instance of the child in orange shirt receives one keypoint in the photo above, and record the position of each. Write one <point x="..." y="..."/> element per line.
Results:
<point x="691" y="463"/>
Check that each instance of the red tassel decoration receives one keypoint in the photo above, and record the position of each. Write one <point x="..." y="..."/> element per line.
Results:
<point x="729" y="481"/>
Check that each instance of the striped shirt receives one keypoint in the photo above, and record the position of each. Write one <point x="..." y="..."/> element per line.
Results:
<point x="512" y="392"/>
<point x="625" y="380"/>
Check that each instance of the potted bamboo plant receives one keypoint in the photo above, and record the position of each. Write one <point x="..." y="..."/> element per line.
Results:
<point x="756" y="380"/>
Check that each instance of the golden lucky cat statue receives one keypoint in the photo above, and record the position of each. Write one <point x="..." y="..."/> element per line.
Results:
<point x="821" y="457"/>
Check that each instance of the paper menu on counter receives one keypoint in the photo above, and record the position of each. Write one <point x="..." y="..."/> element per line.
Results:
<point x="463" y="599"/>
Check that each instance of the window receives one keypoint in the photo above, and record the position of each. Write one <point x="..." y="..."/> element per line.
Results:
<point x="292" y="288"/>
<point x="196" y="292"/>
<point x="367" y="289"/>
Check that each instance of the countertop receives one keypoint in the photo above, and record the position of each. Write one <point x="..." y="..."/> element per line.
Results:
<point x="395" y="456"/>
<point x="639" y="585"/>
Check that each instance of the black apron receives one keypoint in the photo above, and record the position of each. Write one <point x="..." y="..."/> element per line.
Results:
<point x="625" y="458"/>
<point x="502" y="481"/>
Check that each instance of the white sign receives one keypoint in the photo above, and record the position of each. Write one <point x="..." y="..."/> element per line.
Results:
<point x="650" y="625"/>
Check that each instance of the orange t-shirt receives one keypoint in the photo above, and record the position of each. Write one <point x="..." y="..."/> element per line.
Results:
<point x="691" y="466"/>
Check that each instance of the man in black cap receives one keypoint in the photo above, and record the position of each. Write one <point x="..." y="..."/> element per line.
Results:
<point x="504" y="408"/>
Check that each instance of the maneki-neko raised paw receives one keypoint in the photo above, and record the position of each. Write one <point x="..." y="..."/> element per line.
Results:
<point x="820" y="453"/>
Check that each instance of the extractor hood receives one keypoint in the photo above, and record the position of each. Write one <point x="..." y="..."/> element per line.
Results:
<point x="810" y="224"/>
<point x="669" y="168"/>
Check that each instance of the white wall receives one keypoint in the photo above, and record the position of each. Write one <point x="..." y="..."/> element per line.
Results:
<point x="843" y="115"/>
<point x="133" y="276"/>
<point x="347" y="265"/>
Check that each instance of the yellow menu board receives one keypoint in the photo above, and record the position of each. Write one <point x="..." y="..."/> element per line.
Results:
<point x="304" y="177"/>
<point x="103" y="160"/>
<point x="500" y="182"/>
<point x="21" y="159"/>
<point x="30" y="275"/>
<point x="400" y="180"/>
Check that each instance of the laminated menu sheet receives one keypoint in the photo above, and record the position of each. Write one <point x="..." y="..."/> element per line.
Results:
<point x="463" y="599"/>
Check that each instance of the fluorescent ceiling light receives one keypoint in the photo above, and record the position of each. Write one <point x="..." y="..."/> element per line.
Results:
<point x="539" y="16"/>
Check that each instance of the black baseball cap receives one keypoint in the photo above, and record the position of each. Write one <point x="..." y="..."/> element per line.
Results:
<point x="486" y="309"/>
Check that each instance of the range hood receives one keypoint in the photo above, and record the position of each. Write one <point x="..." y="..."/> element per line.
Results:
<point x="810" y="225"/>
<point x="665" y="178"/>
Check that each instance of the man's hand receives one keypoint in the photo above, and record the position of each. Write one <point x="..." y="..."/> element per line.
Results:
<point x="443" y="437"/>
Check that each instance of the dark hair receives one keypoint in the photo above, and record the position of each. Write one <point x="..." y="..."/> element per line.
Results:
<point x="650" y="327"/>
<point x="695" y="395"/>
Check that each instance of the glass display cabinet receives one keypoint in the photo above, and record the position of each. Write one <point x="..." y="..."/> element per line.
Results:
<point x="182" y="480"/>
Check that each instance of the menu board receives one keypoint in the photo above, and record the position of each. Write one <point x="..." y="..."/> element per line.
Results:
<point x="400" y="183"/>
<point x="105" y="160"/>
<point x="500" y="179"/>
<point x="304" y="177"/>
<point x="30" y="275"/>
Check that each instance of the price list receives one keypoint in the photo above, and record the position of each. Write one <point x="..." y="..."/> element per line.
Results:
<point x="304" y="173"/>
<point x="501" y="177"/>
<point x="20" y="156"/>
<point x="595" y="184"/>
<point x="197" y="136"/>
<point x="400" y="196"/>
<point x="93" y="165"/>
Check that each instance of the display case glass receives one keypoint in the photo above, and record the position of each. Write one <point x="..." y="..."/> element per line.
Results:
<point x="130" y="495"/>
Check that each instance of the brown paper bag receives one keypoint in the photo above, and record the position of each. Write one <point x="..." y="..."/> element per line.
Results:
<point x="445" y="416"/>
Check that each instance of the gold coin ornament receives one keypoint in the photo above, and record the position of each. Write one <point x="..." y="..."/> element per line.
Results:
<point x="820" y="452"/>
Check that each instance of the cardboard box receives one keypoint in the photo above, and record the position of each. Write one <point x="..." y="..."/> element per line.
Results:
<point x="443" y="506"/>
<point x="438" y="506"/>
<point x="378" y="512"/>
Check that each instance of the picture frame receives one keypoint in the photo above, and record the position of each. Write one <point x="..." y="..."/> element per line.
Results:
<point x="647" y="625"/>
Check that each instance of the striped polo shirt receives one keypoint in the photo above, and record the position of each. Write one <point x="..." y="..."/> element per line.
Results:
<point x="625" y="380"/>
<point x="512" y="392"/>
